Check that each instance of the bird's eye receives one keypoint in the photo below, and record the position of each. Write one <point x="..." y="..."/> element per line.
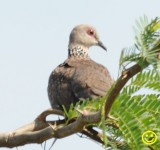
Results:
<point x="90" y="32"/>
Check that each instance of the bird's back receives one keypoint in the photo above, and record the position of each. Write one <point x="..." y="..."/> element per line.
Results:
<point x="77" y="79"/>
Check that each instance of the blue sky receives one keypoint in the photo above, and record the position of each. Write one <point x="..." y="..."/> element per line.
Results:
<point x="33" y="41"/>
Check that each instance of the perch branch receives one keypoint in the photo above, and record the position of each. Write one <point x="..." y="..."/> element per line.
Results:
<point x="41" y="130"/>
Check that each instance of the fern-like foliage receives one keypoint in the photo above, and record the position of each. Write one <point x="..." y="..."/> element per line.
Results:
<point x="148" y="37"/>
<point x="137" y="114"/>
<point x="128" y="55"/>
<point x="138" y="105"/>
<point x="147" y="44"/>
<point x="147" y="79"/>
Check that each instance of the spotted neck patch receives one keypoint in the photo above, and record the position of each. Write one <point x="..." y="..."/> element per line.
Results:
<point x="78" y="52"/>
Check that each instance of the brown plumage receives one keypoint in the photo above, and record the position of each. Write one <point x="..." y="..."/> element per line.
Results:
<point x="79" y="77"/>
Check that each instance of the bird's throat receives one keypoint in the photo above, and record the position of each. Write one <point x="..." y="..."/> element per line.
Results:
<point x="78" y="52"/>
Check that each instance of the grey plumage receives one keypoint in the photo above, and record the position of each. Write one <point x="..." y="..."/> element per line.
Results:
<point x="79" y="77"/>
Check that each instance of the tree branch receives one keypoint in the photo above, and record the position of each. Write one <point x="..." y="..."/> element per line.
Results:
<point x="123" y="79"/>
<point x="41" y="130"/>
<point x="34" y="132"/>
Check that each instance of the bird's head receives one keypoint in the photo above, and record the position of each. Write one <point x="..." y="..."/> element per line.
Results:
<point x="84" y="36"/>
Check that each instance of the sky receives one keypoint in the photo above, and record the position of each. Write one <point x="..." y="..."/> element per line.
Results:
<point x="34" y="38"/>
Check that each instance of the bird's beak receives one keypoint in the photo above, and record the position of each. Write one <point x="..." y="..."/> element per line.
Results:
<point x="101" y="45"/>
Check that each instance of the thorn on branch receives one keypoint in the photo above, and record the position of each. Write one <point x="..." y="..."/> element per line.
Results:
<point x="84" y="112"/>
<point x="125" y="74"/>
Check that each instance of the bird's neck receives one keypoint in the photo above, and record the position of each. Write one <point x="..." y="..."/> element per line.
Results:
<point x="78" y="51"/>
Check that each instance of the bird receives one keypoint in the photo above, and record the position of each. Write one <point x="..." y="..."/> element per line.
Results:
<point x="79" y="77"/>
